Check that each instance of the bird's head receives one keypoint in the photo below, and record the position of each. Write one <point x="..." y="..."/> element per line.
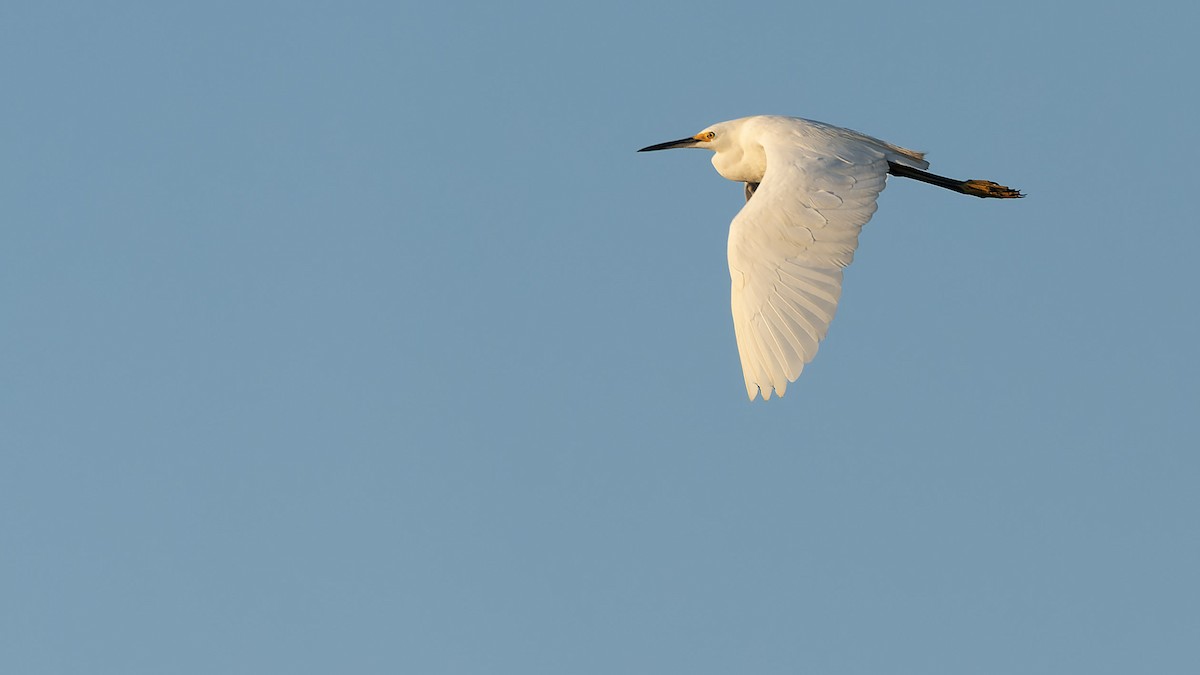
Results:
<point x="732" y="157"/>
<point x="712" y="138"/>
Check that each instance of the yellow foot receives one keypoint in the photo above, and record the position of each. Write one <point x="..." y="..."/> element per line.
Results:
<point x="986" y="188"/>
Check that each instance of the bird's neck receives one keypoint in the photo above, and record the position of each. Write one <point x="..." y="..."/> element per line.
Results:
<point x="745" y="164"/>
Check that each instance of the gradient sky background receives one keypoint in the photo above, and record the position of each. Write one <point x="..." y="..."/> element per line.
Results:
<point x="355" y="337"/>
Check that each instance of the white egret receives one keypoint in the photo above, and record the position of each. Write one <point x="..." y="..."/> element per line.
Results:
<point x="810" y="187"/>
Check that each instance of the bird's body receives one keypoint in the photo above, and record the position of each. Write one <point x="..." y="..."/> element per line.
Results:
<point x="810" y="187"/>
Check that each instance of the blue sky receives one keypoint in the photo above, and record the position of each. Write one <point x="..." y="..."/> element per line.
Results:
<point x="355" y="337"/>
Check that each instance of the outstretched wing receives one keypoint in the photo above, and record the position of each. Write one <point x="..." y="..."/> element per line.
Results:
<point x="787" y="249"/>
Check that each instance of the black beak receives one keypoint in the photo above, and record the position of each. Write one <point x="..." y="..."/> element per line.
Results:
<point x="688" y="142"/>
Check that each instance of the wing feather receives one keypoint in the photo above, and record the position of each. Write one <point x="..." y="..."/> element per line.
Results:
<point x="788" y="246"/>
<point x="797" y="329"/>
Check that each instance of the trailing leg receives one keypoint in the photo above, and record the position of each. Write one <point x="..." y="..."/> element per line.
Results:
<point x="978" y="188"/>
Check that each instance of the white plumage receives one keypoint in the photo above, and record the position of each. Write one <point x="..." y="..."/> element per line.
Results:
<point x="810" y="189"/>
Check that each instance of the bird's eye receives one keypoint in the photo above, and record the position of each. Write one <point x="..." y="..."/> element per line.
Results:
<point x="710" y="135"/>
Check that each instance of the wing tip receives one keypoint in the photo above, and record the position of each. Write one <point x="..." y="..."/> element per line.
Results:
<point x="754" y="391"/>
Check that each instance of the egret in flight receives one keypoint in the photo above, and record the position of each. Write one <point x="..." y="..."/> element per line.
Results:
<point x="810" y="187"/>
